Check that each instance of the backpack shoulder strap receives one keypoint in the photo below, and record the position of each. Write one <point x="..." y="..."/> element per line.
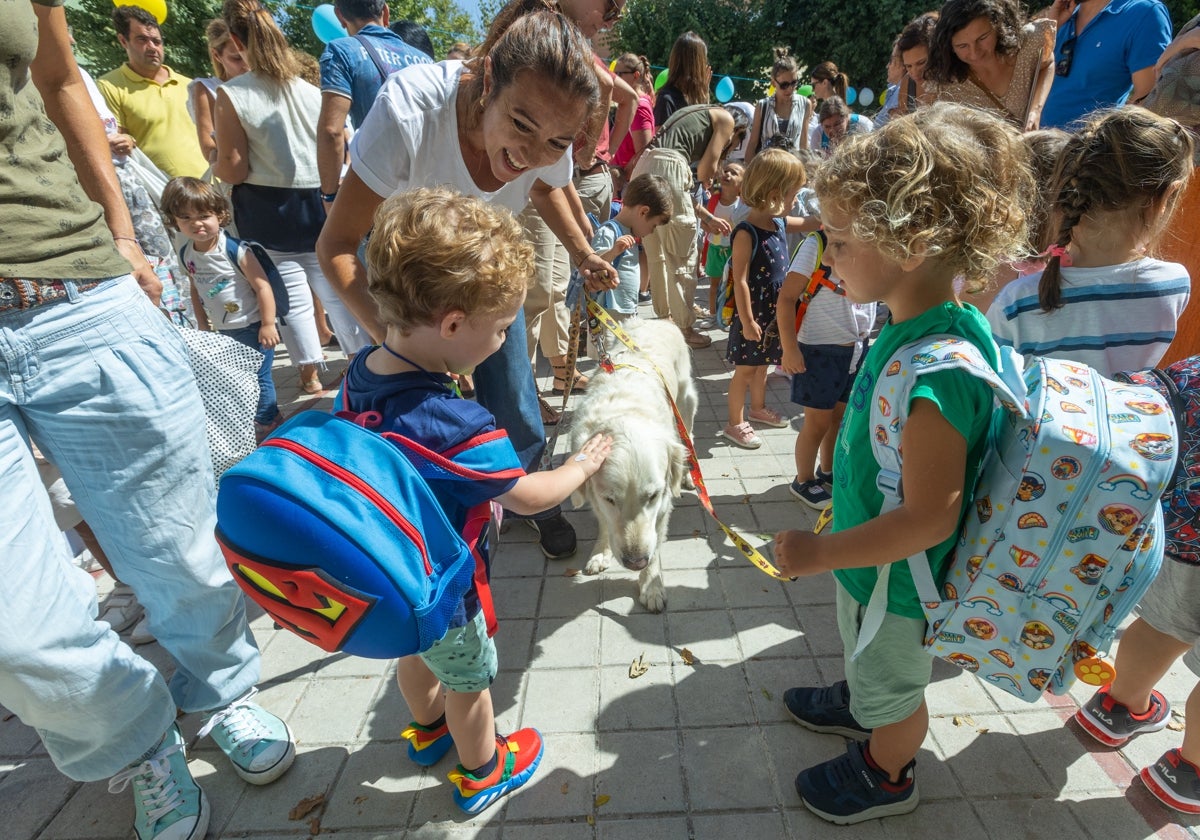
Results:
<point x="232" y="246"/>
<point x="376" y="59"/>
<point x="889" y="410"/>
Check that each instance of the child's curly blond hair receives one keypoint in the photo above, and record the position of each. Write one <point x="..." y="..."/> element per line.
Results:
<point x="434" y="251"/>
<point x="947" y="182"/>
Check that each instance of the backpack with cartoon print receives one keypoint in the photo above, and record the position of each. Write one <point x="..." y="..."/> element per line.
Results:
<point x="1065" y="533"/>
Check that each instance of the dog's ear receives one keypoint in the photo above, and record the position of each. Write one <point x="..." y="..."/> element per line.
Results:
<point x="578" y="499"/>
<point x="677" y="468"/>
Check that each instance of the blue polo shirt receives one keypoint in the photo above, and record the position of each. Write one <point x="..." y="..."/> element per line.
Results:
<point x="1125" y="37"/>
<point x="347" y="68"/>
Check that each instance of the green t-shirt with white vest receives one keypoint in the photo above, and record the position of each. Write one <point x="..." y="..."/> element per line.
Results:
<point x="965" y="402"/>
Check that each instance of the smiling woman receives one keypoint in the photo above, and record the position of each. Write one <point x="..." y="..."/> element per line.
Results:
<point x="498" y="127"/>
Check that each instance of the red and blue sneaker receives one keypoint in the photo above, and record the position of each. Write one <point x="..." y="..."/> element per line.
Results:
<point x="1112" y="723"/>
<point x="427" y="745"/>
<point x="852" y="788"/>
<point x="517" y="757"/>
<point x="1174" y="780"/>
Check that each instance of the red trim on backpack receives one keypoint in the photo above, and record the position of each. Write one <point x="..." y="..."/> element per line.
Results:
<point x="445" y="463"/>
<point x="369" y="492"/>
<point x="478" y="519"/>
<point x="485" y="437"/>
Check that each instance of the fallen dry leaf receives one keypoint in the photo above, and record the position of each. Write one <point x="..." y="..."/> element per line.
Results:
<point x="687" y="657"/>
<point x="602" y="799"/>
<point x="565" y="788"/>
<point x="591" y="820"/>
<point x="767" y="694"/>
<point x="306" y="806"/>
<point x="1175" y="724"/>
<point x="314" y="826"/>
<point x="983" y="730"/>
<point x="9" y="717"/>
<point x="570" y="573"/>
<point x="638" y="667"/>
<point x="964" y="720"/>
<point x="358" y="800"/>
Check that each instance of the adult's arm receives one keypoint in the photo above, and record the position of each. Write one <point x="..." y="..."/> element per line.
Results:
<point x="331" y="140"/>
<point x="554" y="206"/>
<point x="627" y="99"/>
<point x="710" y="160"/>
<point x="70" y="108"/>
<point x="1187" y="39"/>
<point x="1042" y="80"/>
<point x="350" y="217"/>
<point x="1151" y="36"/>
<point x="589" y="136"/>
<point x="756" y="122"/>
<point x="233" y="149"/>
<point x="202" y="107"/>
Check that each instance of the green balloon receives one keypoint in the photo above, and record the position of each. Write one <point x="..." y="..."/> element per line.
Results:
<point x="660" y="79"/>
<point x="804" y="90"/>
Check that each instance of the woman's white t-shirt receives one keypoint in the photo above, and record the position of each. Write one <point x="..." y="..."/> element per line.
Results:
<point x="410" y="139"/>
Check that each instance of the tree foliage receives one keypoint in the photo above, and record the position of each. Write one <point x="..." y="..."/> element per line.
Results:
<point x="741" y="34"/>
<point x="186" y="47"/>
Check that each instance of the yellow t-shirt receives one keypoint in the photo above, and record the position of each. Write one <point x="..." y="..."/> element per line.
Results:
<point x="156" y="115"/>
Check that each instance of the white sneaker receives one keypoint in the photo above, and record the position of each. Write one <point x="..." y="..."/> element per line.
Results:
<point x="141" y="634"/>
<point x="121" y="609"/>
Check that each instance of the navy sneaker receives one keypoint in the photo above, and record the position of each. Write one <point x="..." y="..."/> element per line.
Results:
<point x="824" y="709"/>
<point x="812" y="493"/>
<point x="850" y="789"/>
<point x="825" y="478"/>
<point x="1112" y="724"/>
<point x="556" y="537"/>
<point x="1175" y="781"/>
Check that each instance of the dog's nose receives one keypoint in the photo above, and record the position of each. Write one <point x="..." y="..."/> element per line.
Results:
<point x="635" y="564"/>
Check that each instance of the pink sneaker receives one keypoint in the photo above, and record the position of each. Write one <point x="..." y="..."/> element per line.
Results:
<point x="742" y="435"/>
<point x="768" y="417"/>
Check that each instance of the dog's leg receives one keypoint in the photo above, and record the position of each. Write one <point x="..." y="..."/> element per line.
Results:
<point x="601" y="553"/>
<point x="651" y="592"/>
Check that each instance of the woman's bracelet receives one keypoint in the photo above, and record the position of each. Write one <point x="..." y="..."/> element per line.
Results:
<point x="579" y="262"/>
<point x="128" y="239"/>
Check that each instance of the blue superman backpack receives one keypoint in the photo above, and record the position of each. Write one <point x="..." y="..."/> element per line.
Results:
<point x="1065" y="533"/>
<point x="279" y="290"/>
<point x="333" y="529"/>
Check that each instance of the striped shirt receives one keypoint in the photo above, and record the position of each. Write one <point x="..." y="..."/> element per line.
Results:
<point x="1113" y="318"/>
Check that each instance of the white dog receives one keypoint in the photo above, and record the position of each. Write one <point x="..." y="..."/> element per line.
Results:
<point x="634" y="491"/>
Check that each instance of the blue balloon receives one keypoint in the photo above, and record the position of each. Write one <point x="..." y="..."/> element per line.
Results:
<point x="851" y="95"/>
<point x="326" y="25"/>
<point x="725" y="89"/>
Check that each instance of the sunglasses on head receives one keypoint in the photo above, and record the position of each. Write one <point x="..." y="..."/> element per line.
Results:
<point x="613" y="13"/>
<point x="787" y="85"/>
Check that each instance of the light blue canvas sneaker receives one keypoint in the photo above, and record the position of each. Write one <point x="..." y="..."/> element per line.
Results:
<point x="259" y="744"/>
<point x="168" y="804"/>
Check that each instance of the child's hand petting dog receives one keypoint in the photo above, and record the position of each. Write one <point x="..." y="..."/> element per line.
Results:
<point x="795" y="553"/>
<point x="592" y="454"/>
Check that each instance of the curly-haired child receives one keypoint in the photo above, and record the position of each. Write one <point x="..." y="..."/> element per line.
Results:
<point x="929" y="197"/>
<point x="448" y="274"/>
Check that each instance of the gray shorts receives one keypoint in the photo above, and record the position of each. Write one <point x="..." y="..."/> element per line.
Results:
<point x="1170" y="607"/>
<point x="888" y="680"/>
<point x="464" y="660"/>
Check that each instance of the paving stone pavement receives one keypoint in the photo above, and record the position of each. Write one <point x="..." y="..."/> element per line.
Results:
<point x="698" y="748"/>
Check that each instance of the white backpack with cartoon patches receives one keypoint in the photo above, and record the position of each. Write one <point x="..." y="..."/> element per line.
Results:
<point x="1065" y="534"/>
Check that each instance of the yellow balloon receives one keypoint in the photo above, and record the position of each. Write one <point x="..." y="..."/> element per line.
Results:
<point x="612" y="66"/>
<point x="157" y="8"/>
<point x="770" y="90"/>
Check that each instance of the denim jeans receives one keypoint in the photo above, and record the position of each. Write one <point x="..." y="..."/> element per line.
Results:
<point x="101" y="383"/>
<point x="268" y="408"/>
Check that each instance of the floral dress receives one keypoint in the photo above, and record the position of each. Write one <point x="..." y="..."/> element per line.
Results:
<point x="768" y="268"/>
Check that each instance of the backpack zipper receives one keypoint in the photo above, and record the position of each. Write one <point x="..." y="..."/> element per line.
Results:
<point x="358" y="485"/>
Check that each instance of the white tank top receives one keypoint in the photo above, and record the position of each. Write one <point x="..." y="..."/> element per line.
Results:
<point x="280" y="121"/>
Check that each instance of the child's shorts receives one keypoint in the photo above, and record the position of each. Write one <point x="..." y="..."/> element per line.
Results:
<point x="1169" y="606"/>
<point x="464" y="660"/>
<point x="889" y="678"/>
<point x="714" y="263"/>
<point x="829" y="371"/>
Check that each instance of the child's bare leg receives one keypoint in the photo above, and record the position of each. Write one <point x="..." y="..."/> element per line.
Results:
<point x="1143" y="657"/>
<point x="472" y="726"/>
<point x="811" y="439"/>
<point x="422" y="691"/>
<point x="738" y="384"/>
<point x="1191" y="734"/>
<point x="758" y="387"/>
<point x="713" y="283"/>
<point x="895" y="745"/>
<point x="830" y="438"/>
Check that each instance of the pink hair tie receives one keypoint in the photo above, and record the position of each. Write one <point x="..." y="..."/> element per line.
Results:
<point x="1060" y="251"/>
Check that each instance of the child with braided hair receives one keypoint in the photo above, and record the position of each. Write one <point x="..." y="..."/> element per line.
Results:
<point x="1101" y="299"/>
